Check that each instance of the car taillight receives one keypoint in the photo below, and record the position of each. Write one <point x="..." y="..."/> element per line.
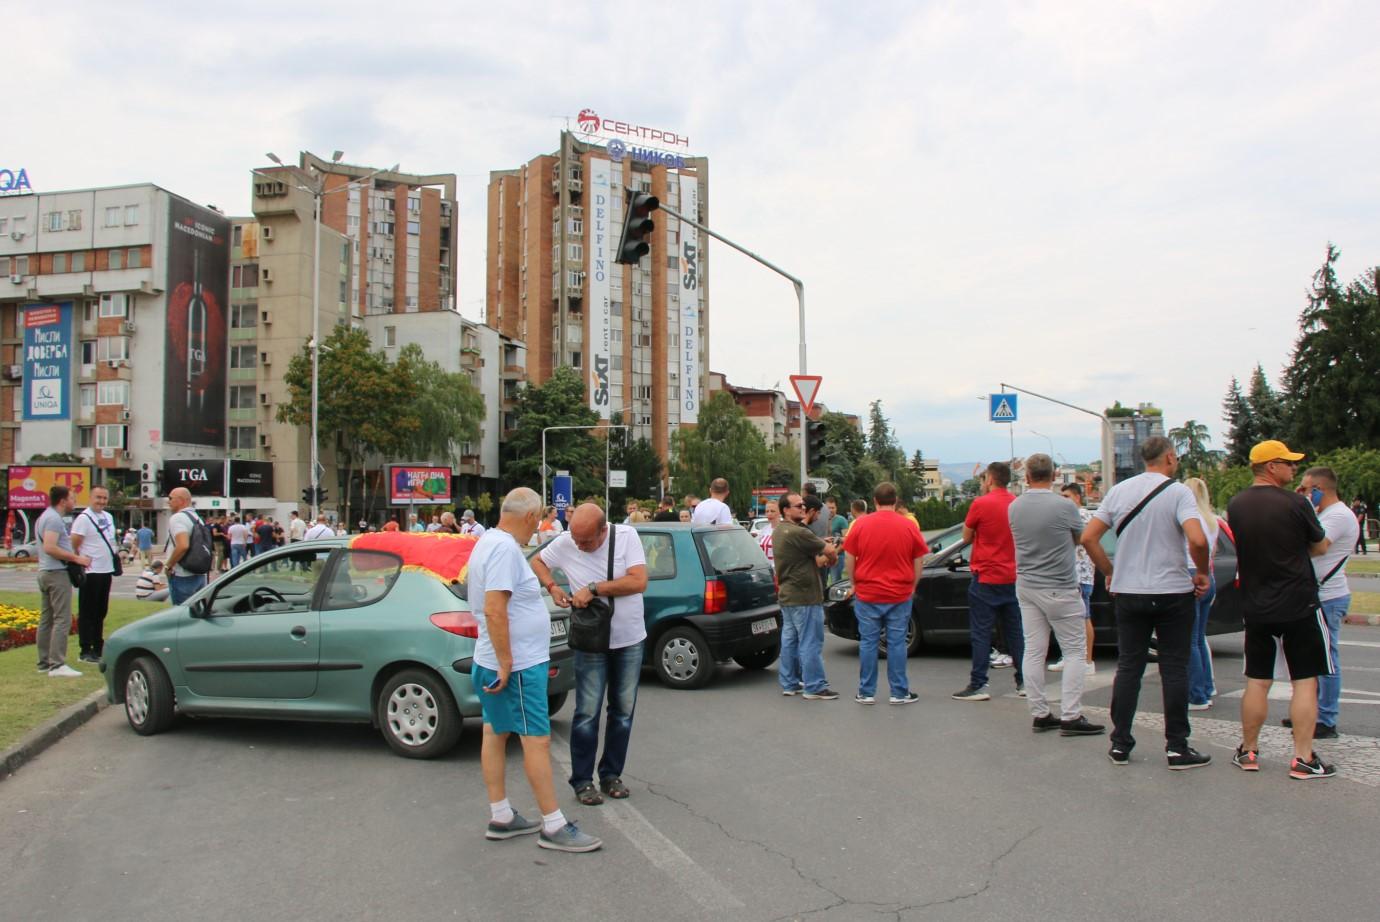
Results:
<point x="715" y="597"/>
<point x="457" y="622"/>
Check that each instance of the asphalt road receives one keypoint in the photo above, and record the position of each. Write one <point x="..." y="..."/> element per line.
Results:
<point x="745" y="805"/>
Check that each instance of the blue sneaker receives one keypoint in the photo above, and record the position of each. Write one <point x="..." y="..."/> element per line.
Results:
<point x="569" y="839"/>
<point x="517" y="826"/>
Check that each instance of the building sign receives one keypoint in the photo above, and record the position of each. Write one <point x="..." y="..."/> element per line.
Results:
<point x="14" y="182"/>
<point x="592" y="126"/>
<point x="416" y="485"/>
<point x="29" y="485"/>
<point x="47" y="361"/>
<point x="617" y="151"/>
<point x="201" y="477"/>
<point x="194" y="388"/>
<point x="598" y="284"/>
<point x="250" y="478"/>
<point x="689" y="301"/>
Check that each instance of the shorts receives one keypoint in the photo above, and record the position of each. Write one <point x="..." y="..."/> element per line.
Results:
<point x="1086" y="589"/>
<point x="1305" y="647"/>
<point x="521" y="707"/>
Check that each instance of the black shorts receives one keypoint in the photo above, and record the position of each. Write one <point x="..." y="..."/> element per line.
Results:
<point x="1305" y="647"/>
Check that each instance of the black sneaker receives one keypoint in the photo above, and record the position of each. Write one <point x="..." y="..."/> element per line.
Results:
<point x="909" y="697"/>
<point x="1080" y="726"/>
<point x="972" y="693"/>
<point x="824" y="694"/>
<point x="1189" y="758"/>
<point x="1047" y="722"/>
<point x="1119" y="756"/>
<point x="1324" y="732"/>
<point x="1315" y="767"/>
<point x="1020" y="690"/>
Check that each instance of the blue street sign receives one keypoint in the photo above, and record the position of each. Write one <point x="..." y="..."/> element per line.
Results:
<point x="562" y="494"/>
<point x="1002" y="407"/>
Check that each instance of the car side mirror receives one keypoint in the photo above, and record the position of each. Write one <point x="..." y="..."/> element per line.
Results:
<point x="201" y="608"/>
<point x="955" y="564"/>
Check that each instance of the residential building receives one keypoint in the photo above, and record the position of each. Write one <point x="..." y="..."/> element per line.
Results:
<point x="1129" y="430"/>
<point x="766" y="409"/>
<point x="638" y="334"/>
<point x="933" y="479"/>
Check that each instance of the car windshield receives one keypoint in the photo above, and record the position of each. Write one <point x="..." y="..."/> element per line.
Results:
<point x="945" y="539"/>
<point x="731" y="549"/>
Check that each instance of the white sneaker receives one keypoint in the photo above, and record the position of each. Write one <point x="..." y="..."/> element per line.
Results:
<point x="63" y="672"/>
<point x="1089" y="669"/>
<point x="1056" y="666"/>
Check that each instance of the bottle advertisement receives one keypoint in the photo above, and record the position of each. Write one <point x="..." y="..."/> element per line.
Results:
<point x="198" y="291"/>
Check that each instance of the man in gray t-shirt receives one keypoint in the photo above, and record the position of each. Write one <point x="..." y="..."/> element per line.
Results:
<point x="54" y="585"/>
<point x="1046" y="527"/>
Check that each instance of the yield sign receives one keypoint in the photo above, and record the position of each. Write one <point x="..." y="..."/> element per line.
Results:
<point x="807" y="389"/>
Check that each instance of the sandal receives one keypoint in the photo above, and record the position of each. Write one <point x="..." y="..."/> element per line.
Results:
<point x="615" y="788"/>
<point x="589" y="795"/>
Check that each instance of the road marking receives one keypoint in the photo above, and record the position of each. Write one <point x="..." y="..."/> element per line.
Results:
<point x="1358" y="643"/>
<point x="695" y="881"/>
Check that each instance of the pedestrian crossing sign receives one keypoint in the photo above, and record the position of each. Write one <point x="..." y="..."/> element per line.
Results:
<point x="1003" y="407"/>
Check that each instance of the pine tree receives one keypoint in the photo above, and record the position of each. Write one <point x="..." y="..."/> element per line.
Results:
<point x="1267" y="409"/>
<point x="1241" y="428"/>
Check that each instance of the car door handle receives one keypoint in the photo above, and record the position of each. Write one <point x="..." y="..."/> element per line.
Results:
<point x="298" y="632"/>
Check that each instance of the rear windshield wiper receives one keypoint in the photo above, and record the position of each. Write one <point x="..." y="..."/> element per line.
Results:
<point x="746" y="566"/>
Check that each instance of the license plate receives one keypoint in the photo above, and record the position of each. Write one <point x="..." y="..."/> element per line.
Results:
<point x="765" y="626"/>
<point x="557" y="629"/>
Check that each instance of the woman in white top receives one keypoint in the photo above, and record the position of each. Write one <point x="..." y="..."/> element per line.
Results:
<point x="1200" y="684"/>
<point x="773" y="514"/>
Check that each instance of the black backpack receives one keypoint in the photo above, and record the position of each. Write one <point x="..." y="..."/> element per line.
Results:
<point x="198" y="556"/>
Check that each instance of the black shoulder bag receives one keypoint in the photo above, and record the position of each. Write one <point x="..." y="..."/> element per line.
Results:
<point x="1141" y="505"/>
<point x="114" y="555"/>
<point x="1333" y="572"/>
<point x="589" y="626"/>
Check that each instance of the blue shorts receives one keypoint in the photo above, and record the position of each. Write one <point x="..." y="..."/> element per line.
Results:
<point x="1086" y="589"/>
<point x="521" y="707"/>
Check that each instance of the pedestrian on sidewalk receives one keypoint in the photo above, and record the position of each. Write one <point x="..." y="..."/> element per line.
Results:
<point x="798" y="555"/>
<point x="144" y="536"/>
<point x="665" y="510"/>
<point x="93" y="532"/>
<point x="1046" y="528"/>
<point x="1153" y="594"/>
<point x="321" y="529"/>
<point x="297" y="527"/>
<point x="838" y="527"/>
<point x="185" y="528"/>
<point x="764" y="537"/>
<point x="238" y="534"/>
<point x="469" y="525"/>
<point x="511" y="657"/>
<point x="992" y="591"/>
<point x="1201" y="684"/>
<point x="1358" y="509"/>
<point x="583" y="553"/>
<point x="1334" y="592"/>
<point x="1073" y="492"/>
<point x="55" y="552"/>
<point x="714" y="511"/>
<point x="886" y="555"/>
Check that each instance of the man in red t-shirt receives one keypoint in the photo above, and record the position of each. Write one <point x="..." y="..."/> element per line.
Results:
<point x="992" y="593"/>
<point x="885" y="560"/>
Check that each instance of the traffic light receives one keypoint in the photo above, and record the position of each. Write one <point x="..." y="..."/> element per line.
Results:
<point x="637" y="225"/>
<point x="814" y="444"/>
<point x="306" y="495"/>
<point x="320" y="495"/>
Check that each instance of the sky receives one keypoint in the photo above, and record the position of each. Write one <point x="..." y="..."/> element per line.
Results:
<point x="1092" y="201"/>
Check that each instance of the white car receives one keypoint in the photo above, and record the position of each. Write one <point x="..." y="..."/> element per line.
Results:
<point x="756" y="528"/>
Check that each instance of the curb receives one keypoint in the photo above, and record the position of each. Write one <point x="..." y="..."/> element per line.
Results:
<point x="1373" y="620"/>
<point x="40" y="738"/>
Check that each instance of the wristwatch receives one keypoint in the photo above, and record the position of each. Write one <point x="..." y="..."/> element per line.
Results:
<point x="593" y="589"/>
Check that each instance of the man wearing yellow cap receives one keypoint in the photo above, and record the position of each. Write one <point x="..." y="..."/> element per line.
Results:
<point x="1277" y="535"/>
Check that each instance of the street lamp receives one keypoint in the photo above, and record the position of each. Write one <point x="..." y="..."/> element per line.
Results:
<point x="1047" y="439"/>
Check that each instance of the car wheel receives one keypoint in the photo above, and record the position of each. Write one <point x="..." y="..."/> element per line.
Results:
<point x="913" y="639"/>
<point x="555" y="702"/>
<point x="417" y="715"/>
<point x="759" y="659"/>
<point x="683" y="659"/>
<point x="21" y="555"/>
<point x="149" y="703"/>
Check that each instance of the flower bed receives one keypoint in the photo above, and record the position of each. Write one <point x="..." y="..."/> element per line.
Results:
<point x="19" y="626"/>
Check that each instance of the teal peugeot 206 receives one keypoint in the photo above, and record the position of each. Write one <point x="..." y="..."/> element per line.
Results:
<point x="375" y="628"/>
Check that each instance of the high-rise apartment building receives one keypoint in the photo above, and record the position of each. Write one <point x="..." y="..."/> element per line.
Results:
<point x="639" y="335"/>
<point x="1128" y="430"/>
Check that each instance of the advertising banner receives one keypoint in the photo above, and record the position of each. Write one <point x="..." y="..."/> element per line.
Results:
<point x="47" y="361"/>
<point x="251" y="478"/>
<point x="597" y="284"/>
<point x="689" y="302"/>
<point x="194" y="390"/>
<point x="562" y="494"/>
<point x="29" y="485"/>
<point x="418" y="485"/>
<point x="201" y="477"/>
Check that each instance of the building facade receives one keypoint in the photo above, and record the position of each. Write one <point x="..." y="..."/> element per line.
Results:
<point x="765" y="409"/>
<point x="1129" y="429"/>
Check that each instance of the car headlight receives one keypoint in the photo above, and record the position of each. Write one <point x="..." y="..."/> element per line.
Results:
<point x="840" y="590"/>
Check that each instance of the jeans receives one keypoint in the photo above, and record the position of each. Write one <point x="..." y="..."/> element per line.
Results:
<point x="802" y="648"/>
<point x="1086" y="590"/>
<point x="1059" y="610"/>
<point x="182" y="588"/>
<point x="237" y="555"/>
<point x="54" y="618"/>
<point x="1200" y="684"/>
<point x="990" y="604"/>
<point x="873" y="618"/>
<point x="615" y="673"/>
<point x="1170" y="617"/>
<point x="1330" y="686"/>
<point x="93" y="601"/>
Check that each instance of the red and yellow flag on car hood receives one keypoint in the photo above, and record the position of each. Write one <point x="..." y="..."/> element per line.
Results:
<point x="439" y="554"/>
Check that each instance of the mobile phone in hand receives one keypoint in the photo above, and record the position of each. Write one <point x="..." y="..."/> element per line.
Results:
<point x="494" y="684"/>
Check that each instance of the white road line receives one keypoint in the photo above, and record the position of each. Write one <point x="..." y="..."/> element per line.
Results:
<point x="1358" y="643"/>
<point x="695" y="881"/>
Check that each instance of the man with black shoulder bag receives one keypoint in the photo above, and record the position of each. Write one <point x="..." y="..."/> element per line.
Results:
<point x="607" y="575"/>
<point x="93" y="534"/>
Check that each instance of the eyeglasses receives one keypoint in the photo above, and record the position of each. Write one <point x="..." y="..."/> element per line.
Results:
<point x="1282" y="461"/>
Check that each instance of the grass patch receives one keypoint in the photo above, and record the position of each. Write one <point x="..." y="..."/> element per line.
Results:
<point x="27" y="697"/>
<point x="1365" y="603"/>
<point x="1363" y="566"/>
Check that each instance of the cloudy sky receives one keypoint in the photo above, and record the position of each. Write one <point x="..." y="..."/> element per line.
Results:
<point x="1098" y="201"/>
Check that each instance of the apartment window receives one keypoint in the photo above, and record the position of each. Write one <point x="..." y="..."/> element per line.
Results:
<point x="577" y="251"/>
<point x="577" y="279"/>
<point x="245" y="276"/>
<point x="53" y="221"/>
<point x="114" y="305"/>
<point x="134" y="258"/>
<point x="114" y="393"/>
<point x="4" y="226"/>
<point x="112" y="348"/>
<point x="414" y="227"/>
<point x="243" y="357"/>
<point x="110" y="436"/>
<point x="575" y="359"/>
<point x="78" y="262"/>
<point x="88" y="311"/>
<point x="237" y="235"/>
<point x="390" y="336"/>
<point x="74" y="220"/>
<point x="117" y="259"/>
<point x="244" y="316"/>
<point x="59" y="262"/>
<point x="131" y="215"/>
<point x="242" y="397"/>
<point x="88" y="352"/>
<point x="86" y="437"/>
<point x="243" y="437"/>
<point x="112" y="216"/>
<point x="616" y="308"/>
<point x="86" y="397"/>
<point x="577" y="225"/>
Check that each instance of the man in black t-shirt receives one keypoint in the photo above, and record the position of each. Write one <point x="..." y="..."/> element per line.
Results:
<point x="666" y="511"/>
<point x="1277" y="534"/>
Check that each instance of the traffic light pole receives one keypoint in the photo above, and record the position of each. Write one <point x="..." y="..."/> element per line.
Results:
<point x="800" y="298"/>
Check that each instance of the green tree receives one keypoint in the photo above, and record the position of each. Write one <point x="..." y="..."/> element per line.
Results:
<point x="1267" y="408"/>
<point x="484" y="505"/>
<point x="1358" y="472"/>
<point x="783" y="467"/>
<point x="724" y="444"/>
<point x="1242" y="431"/>
<point x="1191" y="441"/>
<point x="882" y="445"/>
<point x="1226" y="482"/>
<point x="446" y="406"/>
<point x="559" y="401"/>
<point x="639" y="460"/>
<point x="841" y="456"/>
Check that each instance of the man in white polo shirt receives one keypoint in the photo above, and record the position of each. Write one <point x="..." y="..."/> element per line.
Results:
<point x="714" y="511"/>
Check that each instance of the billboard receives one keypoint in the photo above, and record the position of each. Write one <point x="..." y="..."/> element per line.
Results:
<point x="47" y="361"/>
<point x="194" y="389"/>
<point x="598" y="283"/>
<point x="689" y="301"/>
<point x="251" y="478"/>
<point x="29" y="485"/>
<point x="418" y="485"/>
<point x="201" y="477"/>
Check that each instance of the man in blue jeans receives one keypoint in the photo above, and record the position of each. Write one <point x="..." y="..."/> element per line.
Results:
<point x="182" y="583"/>
<point x="798" y="555"/>
<point x="1334" y="593"/>
<point x="582" y="553"/>
<point x="886" y="558"/>
<point x="992" y="593"/>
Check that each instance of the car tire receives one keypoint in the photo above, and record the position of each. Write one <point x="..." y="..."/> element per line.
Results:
<point x="759" y="659"/>
<point x="683" y="659"/>
<point x="914" y="640"/>
<point x="21" y="555"/>
<point x="417" y="715"/>
<point x="149" y="703"/>
<point x="555" y="702"/>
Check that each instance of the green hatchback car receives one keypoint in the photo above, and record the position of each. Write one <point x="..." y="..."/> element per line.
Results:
<point x="322" y="630"/>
